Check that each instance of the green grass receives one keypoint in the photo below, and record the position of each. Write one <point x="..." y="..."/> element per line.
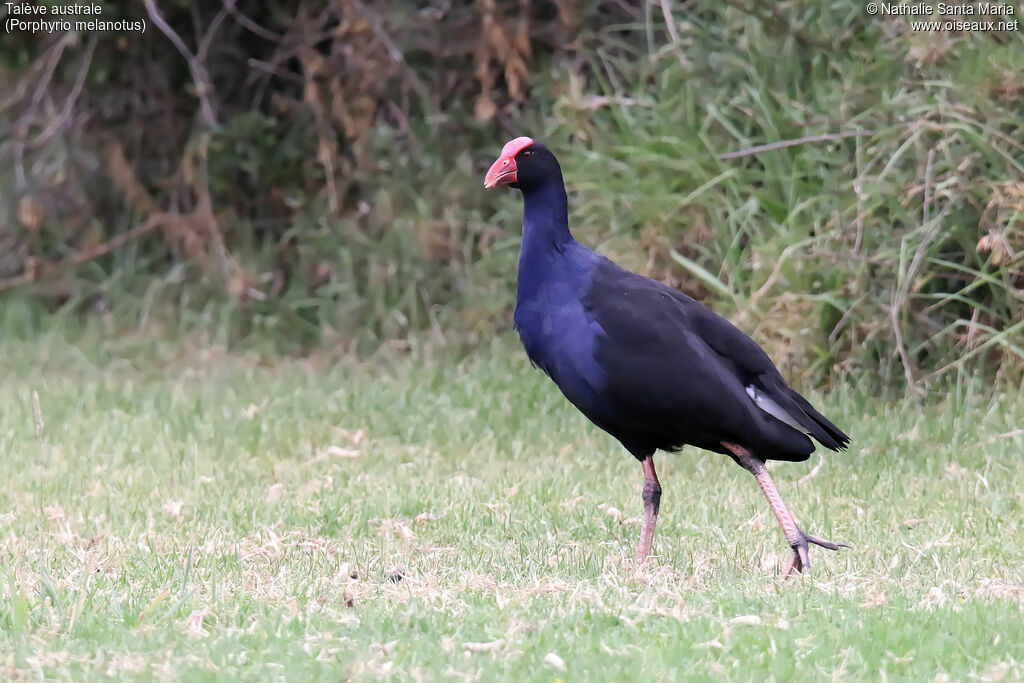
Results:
<point x="192" y="514"/>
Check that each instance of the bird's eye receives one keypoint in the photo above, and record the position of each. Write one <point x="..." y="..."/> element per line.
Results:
<point x="528" y="153"/>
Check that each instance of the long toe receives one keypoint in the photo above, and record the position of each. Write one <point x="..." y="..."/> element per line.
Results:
<point x="800" y="560"/>
<point x="794" y="562"/>
<point x="824" y="543"/>
<point x="803" y="557"/>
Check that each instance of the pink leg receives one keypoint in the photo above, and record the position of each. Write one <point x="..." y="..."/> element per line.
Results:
<point x="797" y="539"/>
<point x="652" y="502"/>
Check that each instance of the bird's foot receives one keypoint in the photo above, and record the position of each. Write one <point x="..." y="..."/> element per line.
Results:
<point x="801" y="559"/>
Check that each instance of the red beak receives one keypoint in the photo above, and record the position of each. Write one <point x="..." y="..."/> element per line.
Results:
<point x="503" y="170"/>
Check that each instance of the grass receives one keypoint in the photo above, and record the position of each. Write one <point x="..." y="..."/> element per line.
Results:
<point x="190" y="514"/>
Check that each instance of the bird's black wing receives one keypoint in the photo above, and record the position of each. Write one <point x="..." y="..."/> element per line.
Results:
<point x="757" y="372"/>
<point x="676" y="373"/>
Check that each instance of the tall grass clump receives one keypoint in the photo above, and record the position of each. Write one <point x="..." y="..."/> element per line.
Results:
<point x="857" y="207"/>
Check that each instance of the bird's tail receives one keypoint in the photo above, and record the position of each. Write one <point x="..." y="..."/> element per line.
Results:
<point x="819" y="426"/>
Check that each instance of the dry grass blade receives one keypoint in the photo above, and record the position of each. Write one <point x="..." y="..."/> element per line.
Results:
<point x="783" y="144"/>
<point x="37" y="411"/>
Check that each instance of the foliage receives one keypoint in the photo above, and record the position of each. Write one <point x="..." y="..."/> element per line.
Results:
<point x="272" y="146"/>
<point x="312" y="170"/>
<point x="892" y="248"/>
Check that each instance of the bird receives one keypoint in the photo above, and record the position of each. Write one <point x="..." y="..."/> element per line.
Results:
<point x="646" y="363"/>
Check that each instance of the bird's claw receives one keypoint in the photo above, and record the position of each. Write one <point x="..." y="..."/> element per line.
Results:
<point x="801" y="558"/>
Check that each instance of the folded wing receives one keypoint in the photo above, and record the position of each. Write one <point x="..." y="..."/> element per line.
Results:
<point x="677" y="373"/>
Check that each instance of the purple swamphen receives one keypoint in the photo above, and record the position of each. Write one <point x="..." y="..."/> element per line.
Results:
<point x="643" y="361"/>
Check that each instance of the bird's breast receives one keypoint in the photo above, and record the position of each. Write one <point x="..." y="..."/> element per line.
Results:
<point x="561" y="340"/>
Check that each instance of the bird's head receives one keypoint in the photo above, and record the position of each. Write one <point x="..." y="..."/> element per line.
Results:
<point x="523" y="163"/>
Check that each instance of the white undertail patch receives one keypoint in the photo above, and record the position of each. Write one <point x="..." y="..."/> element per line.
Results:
<point x="768" y="405"/>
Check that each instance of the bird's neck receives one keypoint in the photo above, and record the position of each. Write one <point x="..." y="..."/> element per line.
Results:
<point x="545" y="219"/>
<point x="543" y="265"/>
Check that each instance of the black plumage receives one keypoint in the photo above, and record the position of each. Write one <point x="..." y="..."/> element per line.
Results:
<point x="677" y="373"/>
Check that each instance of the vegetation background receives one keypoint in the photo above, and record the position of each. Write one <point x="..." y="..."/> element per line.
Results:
<point x="264" y="416"/>
<point x="305" y="175"/>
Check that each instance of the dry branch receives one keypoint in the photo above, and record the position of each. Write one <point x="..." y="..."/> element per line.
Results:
<point x="35" y="270"/>
<point x="195" y="65"/>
